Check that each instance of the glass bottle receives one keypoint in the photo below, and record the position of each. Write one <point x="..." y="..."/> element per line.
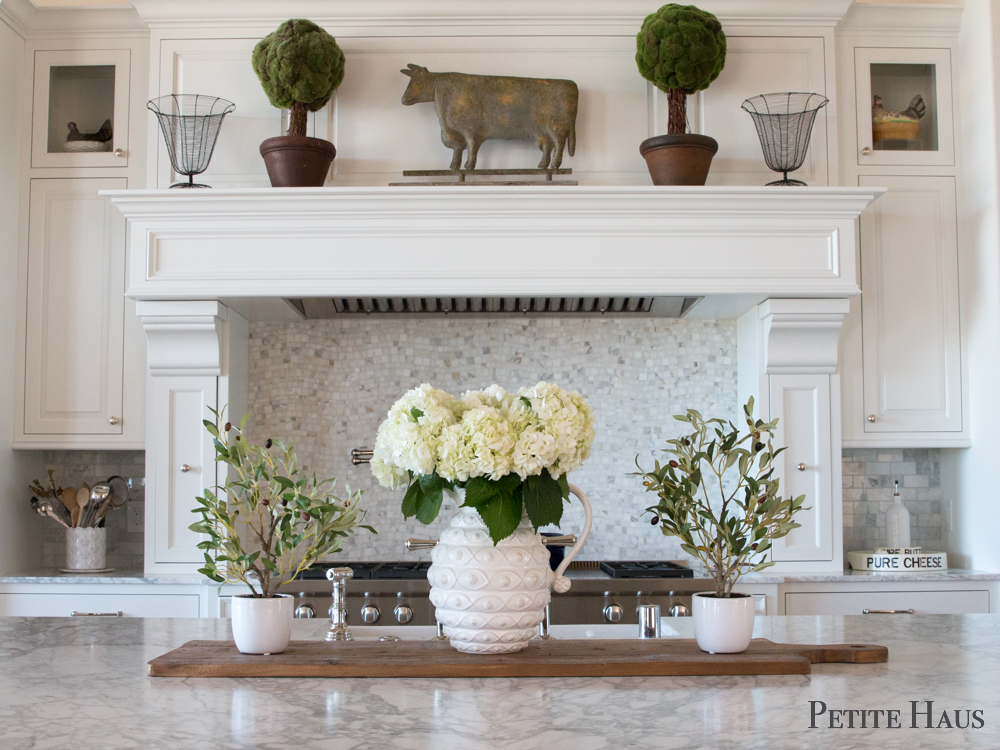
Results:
<point x="897" y="522"/>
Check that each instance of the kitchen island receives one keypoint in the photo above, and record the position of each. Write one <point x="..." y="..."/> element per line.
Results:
<point x="82" y="683"/>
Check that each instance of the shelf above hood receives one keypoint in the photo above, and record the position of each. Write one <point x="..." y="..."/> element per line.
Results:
<point x="492" y="242"/>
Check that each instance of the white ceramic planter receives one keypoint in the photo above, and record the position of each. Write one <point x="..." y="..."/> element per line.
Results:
<point x="262" y="626"/>
<point x="86" y="548"/>
<point x="723" y="626"/>
<point x="490" y="599"/>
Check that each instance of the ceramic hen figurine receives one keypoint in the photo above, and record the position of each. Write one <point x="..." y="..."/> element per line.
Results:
<point x="103" y="135"/>
<point x="891" y="123"/>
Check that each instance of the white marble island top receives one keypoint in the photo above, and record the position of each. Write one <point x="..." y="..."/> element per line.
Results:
<point x="83" y="684"/>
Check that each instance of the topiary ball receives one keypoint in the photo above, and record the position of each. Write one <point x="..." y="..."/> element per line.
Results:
<point x="680" y="47"/>
<point x="299" y="62"/>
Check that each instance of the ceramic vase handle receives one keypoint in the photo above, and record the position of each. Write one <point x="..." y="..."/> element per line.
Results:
<point x="561" y="583"/>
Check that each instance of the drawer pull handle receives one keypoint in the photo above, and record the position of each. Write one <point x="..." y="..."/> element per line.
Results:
<point x="887" y="611"/>
<point x="74" y="613"/>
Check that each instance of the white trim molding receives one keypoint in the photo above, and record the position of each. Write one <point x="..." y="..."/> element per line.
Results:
<point x="183" y="338"/>
<point x="492" y="241"/>
<point x="802" y="335"/>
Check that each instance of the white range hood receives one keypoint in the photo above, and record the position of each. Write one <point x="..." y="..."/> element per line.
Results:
<point x="740" y="243"/>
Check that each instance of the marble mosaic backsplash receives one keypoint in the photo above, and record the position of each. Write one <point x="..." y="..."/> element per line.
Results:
<point x="869" y="475"/>
<point x="73" y="468"/>
<point x="329" y="384"/>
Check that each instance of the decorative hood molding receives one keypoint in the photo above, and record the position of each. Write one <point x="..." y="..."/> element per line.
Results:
<point x="492" y="241"/>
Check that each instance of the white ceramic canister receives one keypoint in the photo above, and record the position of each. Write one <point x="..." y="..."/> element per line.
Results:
<point x="262" y="626"/>
<point x="490" y="598"/>
<point x="86" y="548"/>
<point x="723" y="626"/>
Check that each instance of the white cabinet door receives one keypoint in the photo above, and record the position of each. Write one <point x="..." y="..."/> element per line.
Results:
<point x="909" y="307"/>
<point x="880" y="603"/>
<point x="74" y="340"/>
<point x="801" y="403"/>
<point x="181" y="466"/>
<point x="98" y="605"/>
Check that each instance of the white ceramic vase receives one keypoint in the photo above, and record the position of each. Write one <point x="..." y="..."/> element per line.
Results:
<point x="86" y="548"/>
<point x="723" y="626"/>
<point x="489" y="599"/>
<point x="262" y="626"/>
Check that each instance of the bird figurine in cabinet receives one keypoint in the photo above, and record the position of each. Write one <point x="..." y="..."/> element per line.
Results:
<point x="897" y="124"/>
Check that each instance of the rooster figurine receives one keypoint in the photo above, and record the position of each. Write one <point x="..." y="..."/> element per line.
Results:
<point x="891" y="123"/>
<point x="102" y="136"/>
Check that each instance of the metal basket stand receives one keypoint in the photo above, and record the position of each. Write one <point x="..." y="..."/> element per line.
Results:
<point x="784" y="124"/>
<point x="190" y="125"/>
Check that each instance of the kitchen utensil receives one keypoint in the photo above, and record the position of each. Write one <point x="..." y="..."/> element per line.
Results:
<point x="83" y="500"/>
<point x="119" y="493"/>
<point x="69" y="500"/>
<point x="99" y="495"/>
<point x="45" y="507"/>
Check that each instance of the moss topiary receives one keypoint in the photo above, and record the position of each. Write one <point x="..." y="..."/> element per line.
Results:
<point x="681" y="49"/>
<point x="300" y="66"/>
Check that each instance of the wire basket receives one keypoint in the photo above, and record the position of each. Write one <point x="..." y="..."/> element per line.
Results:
<point x="784" y="125"/>
<point x="190" y="125"/>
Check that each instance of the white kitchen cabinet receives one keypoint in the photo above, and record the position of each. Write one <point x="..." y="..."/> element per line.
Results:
<point x="888" y="603"/>
<point x="910" y="307"/>
<point x="73" y="366"/>
<point x="98" y="605"/>
<point x="801" y="404"/>
<point x="897" y="76"/>
<point x="87" y="88"/>
<point x="180" y="464"/>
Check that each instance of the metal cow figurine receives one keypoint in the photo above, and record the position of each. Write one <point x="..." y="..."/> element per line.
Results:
<point x="474" y="108"/>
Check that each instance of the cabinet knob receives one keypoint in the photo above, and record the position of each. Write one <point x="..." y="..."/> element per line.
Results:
<point x="865" y="151"/>
<point x="801" y="467"/>
<point x="120" y="153"/>
<point x="113" y="420"/>
<point x="185" y="468"/>
<point x="872" y="418"/>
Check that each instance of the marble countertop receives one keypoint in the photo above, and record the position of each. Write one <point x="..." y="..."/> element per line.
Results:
<point x="83" y="684"/>
<point x="848" y="576"/>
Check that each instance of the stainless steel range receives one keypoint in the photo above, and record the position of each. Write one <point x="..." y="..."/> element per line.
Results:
<point x="396" y="593"/>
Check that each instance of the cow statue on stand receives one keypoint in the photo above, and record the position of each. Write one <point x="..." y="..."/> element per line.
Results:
<point x="473" y="109"/>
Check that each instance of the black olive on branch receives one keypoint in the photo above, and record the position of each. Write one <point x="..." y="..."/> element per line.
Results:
<point x="228" y="427"/>
<point x="268" y="443"/>
<point x="654" y="520"/>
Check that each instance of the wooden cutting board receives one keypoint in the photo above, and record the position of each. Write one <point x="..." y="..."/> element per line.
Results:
<point x="556" y="658"/>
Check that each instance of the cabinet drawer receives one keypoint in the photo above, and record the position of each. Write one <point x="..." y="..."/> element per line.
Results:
<point x="130" y="605"/>
<point x="921" y="602"/>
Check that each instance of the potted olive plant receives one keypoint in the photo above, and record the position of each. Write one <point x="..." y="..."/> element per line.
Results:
<point x="728" y="525"/>
<point x="267" y="523"/>
<point x="299" y="66"/>
<point x="680" y="49"/>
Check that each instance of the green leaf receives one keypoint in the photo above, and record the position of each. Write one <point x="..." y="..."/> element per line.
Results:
<point x="507" y="484"/>
<point x="527" y="401"/>
<point x="429" y="502"/>
<point x="543" y="499"/>
<point x="502" y="514"/>
<point x="478" y="490"/>
<point x="564" y="486"/>
<point x="416" y="414"/>
<point x="411" y="500"/>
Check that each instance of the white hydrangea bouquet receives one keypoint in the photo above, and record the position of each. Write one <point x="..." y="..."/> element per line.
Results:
<point x="511" y="452"/>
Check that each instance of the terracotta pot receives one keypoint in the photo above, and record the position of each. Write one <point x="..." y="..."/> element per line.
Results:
<point x="679" y="159"/>
<point x="297" y="161"/>
<point x="723" y="626"/>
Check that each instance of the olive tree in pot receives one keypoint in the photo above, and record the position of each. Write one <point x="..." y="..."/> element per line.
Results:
<point x="728" y="525"/>
<point x="680" y="49"/>
<point x="267" y="523"/>
<point x="299" y="66"/>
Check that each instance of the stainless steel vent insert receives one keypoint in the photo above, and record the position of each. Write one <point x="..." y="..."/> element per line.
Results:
<point x="314" y="308"/>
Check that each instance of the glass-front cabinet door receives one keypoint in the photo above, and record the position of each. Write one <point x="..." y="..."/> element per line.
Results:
<point x="80" y="108"/>
<point x="904" y="105"/>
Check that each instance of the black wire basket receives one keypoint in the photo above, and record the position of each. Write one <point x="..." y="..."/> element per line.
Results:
<point x="784" y="125"/>
<point x="190" y="125"/>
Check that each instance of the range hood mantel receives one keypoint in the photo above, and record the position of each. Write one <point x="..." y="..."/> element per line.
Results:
<point x="492" y="242"/>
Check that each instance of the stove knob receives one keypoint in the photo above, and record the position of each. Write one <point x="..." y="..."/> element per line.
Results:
<point x="370" y="613"/>
<point x="613" y="613"/>
<point x="403" y="613"/>
<point x="680" y="610"/>
<point x="305" y="611"/>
